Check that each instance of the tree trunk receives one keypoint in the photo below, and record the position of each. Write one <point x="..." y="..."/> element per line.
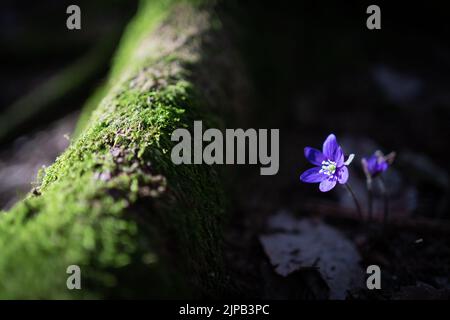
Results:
<point x="114" y="203"/>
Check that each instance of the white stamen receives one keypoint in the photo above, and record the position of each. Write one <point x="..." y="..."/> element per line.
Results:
<point x="328" y="167"/>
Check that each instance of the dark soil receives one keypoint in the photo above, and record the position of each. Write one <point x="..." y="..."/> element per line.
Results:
<point x="319" y="71"/>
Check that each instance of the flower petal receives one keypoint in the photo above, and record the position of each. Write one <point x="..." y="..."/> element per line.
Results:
<point x="327" y="185"/>
<point x="312" y="175"/>
<point x="314" y="156"/>
<point x="383" y="166"/>
<point x="343" y="175"/>
<point x="372" y="165"/>
<point x="331" y="149"/>
<point x="339" y="157"/>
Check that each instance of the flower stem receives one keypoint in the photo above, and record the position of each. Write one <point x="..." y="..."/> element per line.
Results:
<point x="369" y="199"/>
<point x="358" y="207"/>
<point x="385" y="199"/>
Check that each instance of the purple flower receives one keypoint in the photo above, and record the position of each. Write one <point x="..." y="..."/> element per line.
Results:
<point x="330" y="166"/>
<point x="377" y="163"/>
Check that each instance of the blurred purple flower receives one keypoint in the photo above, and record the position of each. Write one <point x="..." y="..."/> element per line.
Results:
<point x="377" y="163"/>
<point x="330" y="166"/>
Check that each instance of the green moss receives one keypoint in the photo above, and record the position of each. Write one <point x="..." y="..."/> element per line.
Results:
<point x="115" y="204"/>
<point x="150" y="13"/>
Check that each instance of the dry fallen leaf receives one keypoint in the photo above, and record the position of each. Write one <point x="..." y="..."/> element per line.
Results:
<point x="306" y="243"/>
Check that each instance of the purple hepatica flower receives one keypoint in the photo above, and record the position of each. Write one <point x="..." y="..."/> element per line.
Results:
<point x="377" y="163"/>
<point x="330" y="166"/>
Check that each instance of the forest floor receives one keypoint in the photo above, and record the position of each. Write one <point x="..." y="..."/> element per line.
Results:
<point x="315" y="74"/>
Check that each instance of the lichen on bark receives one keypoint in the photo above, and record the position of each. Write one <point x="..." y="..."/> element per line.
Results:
<point x="113" y="202"/>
